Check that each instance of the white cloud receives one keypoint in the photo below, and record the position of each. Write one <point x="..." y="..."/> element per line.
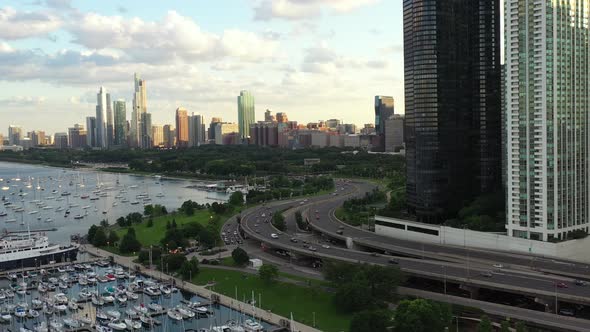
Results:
<point x="266" y="10"/>
<point x="173" y="38"/>
<point x="17" y="25"/>
<point x="23" y="101"/>
<point x="323" y="60"/>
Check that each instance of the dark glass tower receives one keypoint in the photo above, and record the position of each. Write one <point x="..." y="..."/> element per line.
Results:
<point x="452" y="97"/>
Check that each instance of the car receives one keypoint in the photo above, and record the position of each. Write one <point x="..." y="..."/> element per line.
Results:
<point x="339" y="231"/>
<point x="560" y="285"/>
<point x="341" y="227"/>
<point x="274" y="236"/>
<point x="566" y="312"/>
<point x="312" y="248"/>
<point x="374" y="254"/>
<point x="316" y="211"/>
<point x="579" y="282"/>
<point x="257" y="231"/>
<point x="294" y="240"/>
<point x="498" y="266"/>
<point x="235" y="233"/>
<point x="486" y="274"/>
<point x="393" y="261"/>
<point x="301" y="203"/>
<point x="325" y="246"/>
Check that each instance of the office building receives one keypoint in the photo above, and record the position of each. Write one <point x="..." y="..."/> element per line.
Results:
<point x="264" y="134"/>
<point x="102" y="99"/>
<point x="120" y="123"/>
<point x="77" y="136"/>
<point x="91" y="131"/>
<point x="1" y="139"/>
<point x="384" y="109"/>
<point x="452" y="97"/>
<point x="139" y="108"/>
<point x="15" y="134"/>
<point x="282" y="117"/>
<point x="196" y="130"/>
<point x="226" y="133"/>
<point x="547" y="88"/>
<point x="37" y="138"/>
<point x="394" y="133"/>
<point x="181" y="127"/>
<point x="212" y="125"/>
<point x="158" y="135"/>
<point x="169" y="136"/>
<point x="110" y="123"/>
<point x="146" y="138"/>
<point x="333" y="124"/>
<point x="268" y="117"/>
<point x="246" y="113"/>
<point x="60" y="140"/>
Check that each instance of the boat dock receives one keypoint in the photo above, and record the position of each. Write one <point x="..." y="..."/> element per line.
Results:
<point x="43" y="230"/>
<point x="47" y="267"/>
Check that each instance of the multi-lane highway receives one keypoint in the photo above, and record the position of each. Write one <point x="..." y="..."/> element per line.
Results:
<point x="468" y="267"/>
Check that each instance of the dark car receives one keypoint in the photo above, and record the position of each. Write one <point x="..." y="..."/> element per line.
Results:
<point x="487" y="274"/>
<point x="294" y="240"/>
<point x="393" y="261"/>
<point x="561" y="285"/>
<point x="579" y="282"/>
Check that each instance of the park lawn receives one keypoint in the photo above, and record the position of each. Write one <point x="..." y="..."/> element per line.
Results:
<point x="281" y="298"/>
<point x="152" y="235"/>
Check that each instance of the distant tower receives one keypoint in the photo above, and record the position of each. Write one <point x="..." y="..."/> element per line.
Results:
<point x="181" y="127"/>
<point x="245" y="113"/>
<point x="139" y="108"/>
<point x="101" y="118"/>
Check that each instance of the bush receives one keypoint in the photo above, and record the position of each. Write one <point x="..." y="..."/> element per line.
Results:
<point x="240" y="256"/>
<point x="174" y="261"/>
<point x="278" y="221"/>
<point x="129" y="243"/>
<point x="268" y="273"/>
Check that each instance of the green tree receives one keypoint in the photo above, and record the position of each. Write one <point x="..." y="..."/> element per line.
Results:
<point x="113" y="238"/>
<point x="374" y="320"/>
<point x="240" y="256"/>
<point x="150" y="222"/>
<point x="122" y="222"/>
<point x="91" y="232"/>
<point x="520" y="327"/>
<point x="352" y="297"/>
<point x="422" y="315"/>
<point x="268" y="273"/>
<point x="129" y="243"/>
<point x="189" y="268"/>
<point x="174" y="261"/>
<point x="236" y="199"/>
<point x="148" y="210"/>
<point x="485" y="325"/>
<point x="505" y="326"/>
<point x="207" y="239"/>
<point x="278" y="221"/>
<point x="104" y="223"/>
<point x="100" y="238"/>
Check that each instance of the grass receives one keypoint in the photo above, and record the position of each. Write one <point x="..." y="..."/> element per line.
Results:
<point x="281" y="298"/>
<point x="152" y="235"/>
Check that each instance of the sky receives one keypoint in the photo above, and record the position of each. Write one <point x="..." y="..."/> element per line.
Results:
<point x="314" y="59"/>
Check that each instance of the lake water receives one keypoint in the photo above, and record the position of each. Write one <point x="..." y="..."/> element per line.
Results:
<point x="46" y="193"/>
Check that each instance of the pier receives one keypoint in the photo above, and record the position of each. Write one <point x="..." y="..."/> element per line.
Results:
<point x="267" y="316"/>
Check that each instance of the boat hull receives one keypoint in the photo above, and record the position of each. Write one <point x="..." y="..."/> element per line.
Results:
<point x="66" y="255"/>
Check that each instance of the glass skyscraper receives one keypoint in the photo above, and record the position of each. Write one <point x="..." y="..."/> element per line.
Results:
<point x="245" y="113"/>
<point x="384" y="109"/>
<point x="120" y="122"/>
<point x="452" y="97"/>
<point x="547" y="96"/>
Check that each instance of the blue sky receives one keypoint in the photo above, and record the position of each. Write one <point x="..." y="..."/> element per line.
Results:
<point x="314" y="59"/>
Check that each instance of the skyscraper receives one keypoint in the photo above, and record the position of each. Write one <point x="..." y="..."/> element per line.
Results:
<point x="110" y="124"/>
<point x="120" y="123"/>
<point x="212" y="126"/>
<point x="452" y="96"/>
<point x="158" y="135"/>
<point x="245" y="113"/>
<point x="147" y="140"/>
<point x="181" y="127"/>
<point x="196" y="135"/>
<point x="91" y="131"/>
<point x="139" y="108"/>
<point x="102" y="99"/>
<point x="77" y="136"/>
<point x="384" y="109"/>
<point x="547" y="118"/>
<point x="15" y="134"/>
<point x="169" y="136"/>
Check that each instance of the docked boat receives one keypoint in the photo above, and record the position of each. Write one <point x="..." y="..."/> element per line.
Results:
<point x="113" y="314"/>
<point x="154" y="306"/>
<point x="21" y="250"/>
<point x="253" y="326"/>
<point x="71" y="323"/>
<point x="174" y="315"/>
<point x="185" y="312"/>
<point x="132" y="325"/>
<point x="117" y="326"/>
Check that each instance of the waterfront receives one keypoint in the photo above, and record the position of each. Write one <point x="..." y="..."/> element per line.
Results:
<point x="39" y="197"/>
<point x="76" y="280"/>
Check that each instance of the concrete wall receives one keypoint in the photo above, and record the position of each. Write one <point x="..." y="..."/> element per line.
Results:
<point x="574" y="249"/>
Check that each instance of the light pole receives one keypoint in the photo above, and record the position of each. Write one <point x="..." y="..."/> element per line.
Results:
<point x="444" y="277"/>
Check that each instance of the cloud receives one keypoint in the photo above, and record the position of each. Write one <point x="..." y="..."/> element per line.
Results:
<point x="173" y="38"/>
<point x="23" y="101"/>
<point x="323" y="60"/>
<point x="18" y="25"/>
<point x="59" y="4"/>
<point x="266" y="10"/>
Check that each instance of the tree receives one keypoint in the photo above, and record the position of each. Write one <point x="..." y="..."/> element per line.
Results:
<point x="168" y="224"/>
<point x="189" y="268"/>
<point x="174" y="261"/>
<point x="374" y="320"/>
<point x="174" y="225"/>
<point x="100" y="238"/>
<point x="122" y="222"/>
<point x="150" y="222"/>
<point x="520" y="327"/>
<point x="485" y="325"/>
<point x="505" y="326"/>
<point x="240" y="256"/>
<point x="91" y="231"/>
<point x="104" y="223"/>
<point x="278" y="221"/>
<point x="422" y="315"/>
<point x="148" y="210"/>
<point x="207" y="239"/>
<point x="352" y="297"/>
<point x="268" y="273"/>
<point x="113" y="238"/>
<point x="129" y="243"/>
<point x="236" y="198"/>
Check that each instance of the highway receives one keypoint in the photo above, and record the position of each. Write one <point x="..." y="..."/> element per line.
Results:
<point x="512" y="278"/>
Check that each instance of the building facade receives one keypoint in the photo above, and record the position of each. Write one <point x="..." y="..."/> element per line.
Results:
<point x="60" y="140"/>
<point x="196" y="130"/>
<point x="77" y="136"/>
<point x="547" y="87"/>
<point x="394" y="133"/>
<point x="226" y="133"/>
<point x="169" y="136"/>
<point x="181" y="127"/>
<point x="91" y="131"/>
<point x="246" y="113"/>
<point x="452" y="97"/>
<point x="384" y="109"/>
<point x="15" y="134"/>
<point x="139" y="108"/>
<point x="102" y="99"/>
<point x="120" y="123"/>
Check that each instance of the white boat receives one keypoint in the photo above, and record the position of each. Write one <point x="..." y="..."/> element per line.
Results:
<point x="100" y="328"/>
<point x="34" y="212"/>
<point x="132" y="325"/>
<point x="60" y="307"/>
<point x="155" y="306"/>
<point x="253" y="326"/>
<point x="84" y="320"/>
<point x="131" y="295"/>
<point x="41" y="327"/>
<point x="73" y="305"/>
<point x="141" y="309"/>
<point x="165" y="289"/>
<point x="117" y="326"/>
<point x="147" y="320"/>
<point x="56" y="325"/>
<point x="153" y="291"/>
<point x="185" y="312"/>
<point x="20" y="312"/>
<point x="113" y="314"/>
<point x="174" y="315"/>
<point x="32" y="313"/>
<point x="122" y="299"/>
<point x="24" y="329"/>
<point x="101" y="315"/>
<point x="108" y="299"/>
<point x="60" y="298"/>
<point x="72" y="323"/>
<point x="6" y="317"/>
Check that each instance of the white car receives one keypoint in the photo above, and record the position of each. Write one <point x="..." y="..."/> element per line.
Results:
<point x="498" y="266"/>
<point x="274" y="236"/>
<point x="325" y="246"/>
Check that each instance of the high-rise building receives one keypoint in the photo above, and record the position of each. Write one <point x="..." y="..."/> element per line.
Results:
<point x="246" y="113"/>
<point x="333" y="124"/>
<point x="212" y="125"/>
<point x="196" y="130"/>
<point x="384" y="109"/>
<point x="102" y="99"/>
<point x="110" y="123"/>
<point x="268" y="117"/>
<point x="547" y="118"/>
<point x="1" y="139"/>
<point x="394" y="133"/>
<point x="223" y="130"/>
<point x="120" y="123"/>
<point x="169" y="136"/>
<point x="15" y="134"/>
<point x="181" y="127"/>
<point x="60" y="140"/>
<point x="158" y="135"/>
<point x="91" y="131"/>
<point x="147" y="140"/>
<point x="282" y="117"/>
<point x="77" y="136"/>
<point x="139" y="108"/>
<point x="37" y="137"/>
<point x="452" y="97"/>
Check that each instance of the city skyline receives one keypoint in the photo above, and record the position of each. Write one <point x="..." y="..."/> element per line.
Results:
<point x="258" y="50"/>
